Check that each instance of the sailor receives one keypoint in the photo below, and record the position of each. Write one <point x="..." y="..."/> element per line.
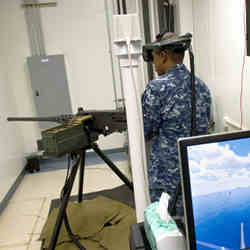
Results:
<point x="166" y="106"/>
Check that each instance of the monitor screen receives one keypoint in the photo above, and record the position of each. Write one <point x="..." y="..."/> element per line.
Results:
<point x="215" y="173"/>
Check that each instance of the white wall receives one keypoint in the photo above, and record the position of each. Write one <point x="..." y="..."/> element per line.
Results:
<point x="16" y="139"/>
<point x="184" y="20"/>
<point x="218" y="28"/>
<point x="78" y="30"/>
<point x="11" y="143"/>
<point x="14" y="49"/>
<point x="219" y="40"/>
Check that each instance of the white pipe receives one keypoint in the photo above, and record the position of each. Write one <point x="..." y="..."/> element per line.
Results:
<point x="135" y="147"/>
<point x="30" y="32"/>
<point x="34" y="29"/>
<point x="139" y="111"/>
<point x="154" y="19"/>
<point x="128" y="46"/>
<point x="40" y="36"/>
<point x="111" y="52"/>
<point x="137" y="7"/>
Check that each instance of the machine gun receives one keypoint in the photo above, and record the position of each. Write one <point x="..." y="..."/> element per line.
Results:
<point x="76" y="134"/>
<point x="77" y="131"/>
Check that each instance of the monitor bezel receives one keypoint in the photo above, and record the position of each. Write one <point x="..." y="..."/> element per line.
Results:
<point x="183" y="144"/>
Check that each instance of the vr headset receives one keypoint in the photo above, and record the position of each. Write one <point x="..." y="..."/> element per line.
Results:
<point x="175" y="44"/>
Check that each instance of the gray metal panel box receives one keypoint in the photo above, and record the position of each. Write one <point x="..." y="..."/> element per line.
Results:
<point x="50" y="86"/>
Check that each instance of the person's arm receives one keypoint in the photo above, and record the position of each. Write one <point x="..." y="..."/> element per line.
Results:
<point x="151" y="106"/>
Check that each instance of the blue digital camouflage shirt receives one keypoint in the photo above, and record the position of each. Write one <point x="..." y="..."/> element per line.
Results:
<point x="166" y="106"/>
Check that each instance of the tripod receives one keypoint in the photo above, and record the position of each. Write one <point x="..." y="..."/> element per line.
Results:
<point x="62" y="215"/>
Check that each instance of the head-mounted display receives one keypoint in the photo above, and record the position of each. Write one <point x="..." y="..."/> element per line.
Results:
<point x="175" y="44"/>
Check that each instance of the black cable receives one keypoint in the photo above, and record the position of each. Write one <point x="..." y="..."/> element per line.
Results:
<point x="62" y="211"/>
<point x="172" y="25"/>
<point x="169" y="18"/>
<point x="147" y="32"/>
<point x="193" y="102"/>
<point x="64" y="189"/>
<point x="71" y="156"/>
<point x="124" y="6"/>
<point x="68" y="167"/>
<point x="118" y="7"/>
<point x="169" y="12"/>
<point x="172" y="206"/>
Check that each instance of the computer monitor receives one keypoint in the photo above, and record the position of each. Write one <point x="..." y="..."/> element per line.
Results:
<point x="215" y="175"/>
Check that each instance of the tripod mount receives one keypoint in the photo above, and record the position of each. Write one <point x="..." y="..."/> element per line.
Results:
<point x="77" y="134"/>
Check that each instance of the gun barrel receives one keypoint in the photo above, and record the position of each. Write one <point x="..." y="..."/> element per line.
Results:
<point x="33" y="119"/>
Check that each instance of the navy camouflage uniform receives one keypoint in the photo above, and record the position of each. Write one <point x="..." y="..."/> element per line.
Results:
<point x="166" y="106"/>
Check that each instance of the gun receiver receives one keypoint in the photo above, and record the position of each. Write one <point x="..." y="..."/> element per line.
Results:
<point x="77" y="131"/>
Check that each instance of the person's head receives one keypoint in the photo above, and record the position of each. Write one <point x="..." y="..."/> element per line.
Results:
<point x="165" y="59"/>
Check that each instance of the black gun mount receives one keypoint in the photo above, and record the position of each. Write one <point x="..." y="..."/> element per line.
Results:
<point x="77" y="131"/>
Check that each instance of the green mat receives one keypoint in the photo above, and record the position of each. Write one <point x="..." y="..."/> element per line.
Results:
<point x="100" y="223"/>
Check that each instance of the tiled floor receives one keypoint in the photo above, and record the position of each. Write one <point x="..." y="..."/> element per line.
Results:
<point x="22" y="220"/>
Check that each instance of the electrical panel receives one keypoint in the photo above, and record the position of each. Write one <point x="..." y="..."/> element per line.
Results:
<point x="50" y="86"/>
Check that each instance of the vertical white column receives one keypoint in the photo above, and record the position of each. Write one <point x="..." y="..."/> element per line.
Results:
<point x="128" y="49"/>
<point x="135" y="145"/>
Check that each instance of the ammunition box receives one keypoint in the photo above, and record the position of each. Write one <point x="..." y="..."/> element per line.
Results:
<point x="63" y="139"/>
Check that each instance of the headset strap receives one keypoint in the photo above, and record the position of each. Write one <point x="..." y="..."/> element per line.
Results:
<point x="172" y="207"/>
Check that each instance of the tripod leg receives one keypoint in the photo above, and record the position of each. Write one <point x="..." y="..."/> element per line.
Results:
<point x="63" y="206"/>
<point x="81" y="175"/>
<point x="95" y="147"/>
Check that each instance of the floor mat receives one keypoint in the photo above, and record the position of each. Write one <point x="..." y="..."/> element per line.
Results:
<point x="122" y="194"/>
